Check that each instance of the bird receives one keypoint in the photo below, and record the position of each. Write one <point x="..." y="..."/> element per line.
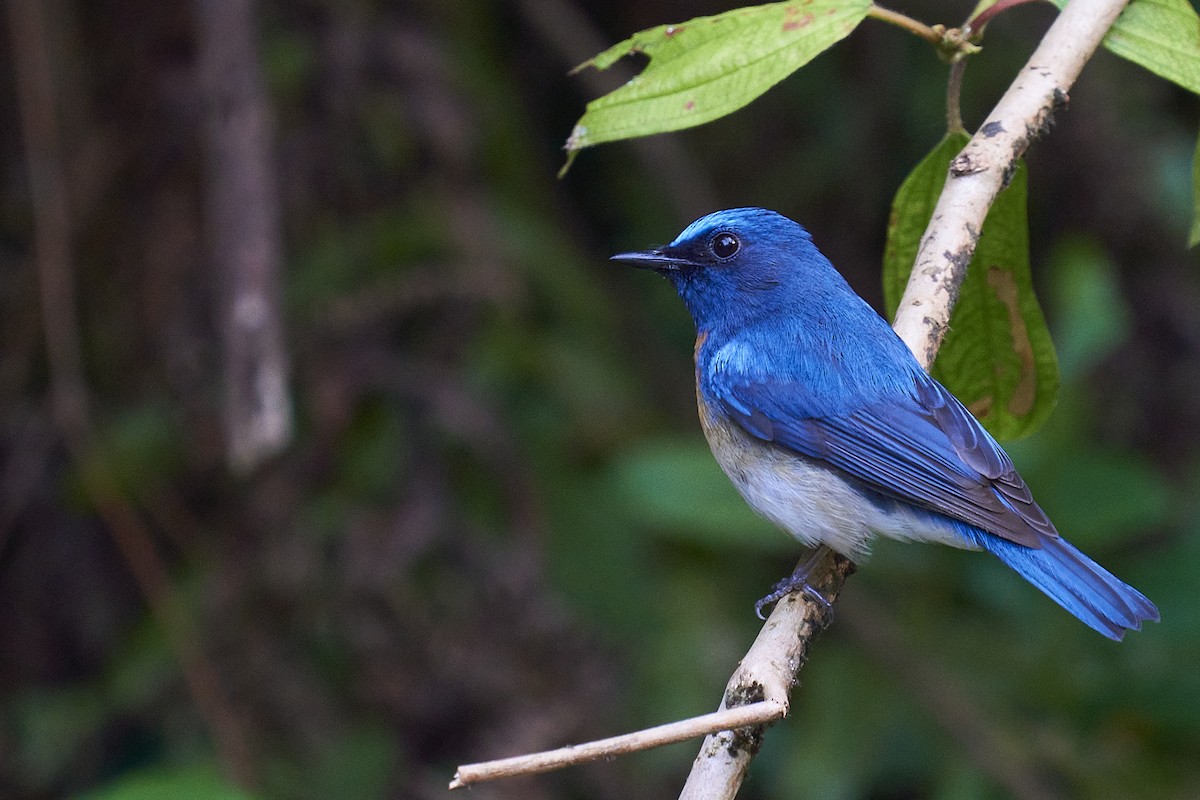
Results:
<point x="829" y="427"/>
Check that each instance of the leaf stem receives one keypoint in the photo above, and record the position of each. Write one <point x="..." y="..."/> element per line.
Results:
<point x="954" y="121"/>
<point x="951" y="43"/>
<point x="926" y="32"/>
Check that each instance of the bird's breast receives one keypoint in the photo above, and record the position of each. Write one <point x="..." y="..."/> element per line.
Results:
<point x="810" y="500"/>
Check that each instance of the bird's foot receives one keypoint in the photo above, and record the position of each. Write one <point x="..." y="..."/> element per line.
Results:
<point x="797" y="581"/>
<point x="786" y="587"/>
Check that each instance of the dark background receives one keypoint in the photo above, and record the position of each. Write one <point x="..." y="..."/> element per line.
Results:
<point x="496" y="526"/>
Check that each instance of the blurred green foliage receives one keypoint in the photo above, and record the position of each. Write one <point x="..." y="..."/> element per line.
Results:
<point x="191" y="783"/>
<point x="498" y="528"/>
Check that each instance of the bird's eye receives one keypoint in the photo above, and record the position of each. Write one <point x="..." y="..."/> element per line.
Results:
<point x="725" y="245"/>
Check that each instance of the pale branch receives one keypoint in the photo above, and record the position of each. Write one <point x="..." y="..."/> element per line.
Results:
<point x="770" y="669"/>
<point x="975" y="178"/>
<point x="762" y="712"/>
<point x="985" y="165"/>
<point x="756" y="696"/>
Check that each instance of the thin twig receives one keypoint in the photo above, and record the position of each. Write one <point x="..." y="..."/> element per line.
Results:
<point x="136" y="544"/>
<point x="952" y="44"/>
<point x="927" y="32"/>
<point x="756" y="696"/>
<point x="33" y="70"/>
<point x="761" y="713"/>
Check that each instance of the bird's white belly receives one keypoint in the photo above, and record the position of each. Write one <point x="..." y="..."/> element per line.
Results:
<point x="813" y="502"/>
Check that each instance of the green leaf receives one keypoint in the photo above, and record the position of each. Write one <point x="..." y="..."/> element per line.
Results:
<point x="711" y="66"/>
<point x="997" y="357"/>
<point x="1194" y="236"/>
<point x="1161" y="35"/>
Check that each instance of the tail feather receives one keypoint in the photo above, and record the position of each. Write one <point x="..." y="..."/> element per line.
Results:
<point x="1093" y="594"/>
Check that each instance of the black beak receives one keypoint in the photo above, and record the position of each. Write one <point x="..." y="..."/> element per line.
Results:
<point x="652" y="259"/>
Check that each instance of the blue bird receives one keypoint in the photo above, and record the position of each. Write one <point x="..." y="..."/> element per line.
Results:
<point x="829" y="427"/>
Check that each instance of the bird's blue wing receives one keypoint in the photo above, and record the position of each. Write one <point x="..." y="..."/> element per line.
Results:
<point x="920" y="446"/>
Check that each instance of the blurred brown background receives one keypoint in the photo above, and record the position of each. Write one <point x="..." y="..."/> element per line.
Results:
<point x="335" y="453"/>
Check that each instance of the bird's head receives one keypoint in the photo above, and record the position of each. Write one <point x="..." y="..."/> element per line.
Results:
<point x="735" y="265"/>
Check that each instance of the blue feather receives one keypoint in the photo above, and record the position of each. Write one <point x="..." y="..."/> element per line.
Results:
<point x="1093" y="594"/>
<point x="829" y="427"/>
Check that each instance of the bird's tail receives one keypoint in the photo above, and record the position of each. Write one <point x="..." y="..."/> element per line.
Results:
<point x="1078" y="584"/>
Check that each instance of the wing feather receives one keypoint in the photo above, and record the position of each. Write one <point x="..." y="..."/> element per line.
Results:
<point x="921" y="446"/>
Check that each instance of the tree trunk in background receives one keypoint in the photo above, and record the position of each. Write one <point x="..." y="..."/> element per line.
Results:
<point x="243" y="220"/>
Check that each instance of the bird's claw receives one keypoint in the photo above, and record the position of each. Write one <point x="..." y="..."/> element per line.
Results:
<point x="787" y="586"/>
<point x="797" y="581"/>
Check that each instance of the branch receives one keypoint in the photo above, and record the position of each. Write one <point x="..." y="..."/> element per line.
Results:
<point x="976" y="24"/>
<point x="983" y="168"/>
<point x="243" y="220"/>
<point x="759" y="713"/>
<point x="770" y="668"/>
<point x="975" y="178"/>
<point x="772" y="665"/>
<point x="756" y="696"/>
